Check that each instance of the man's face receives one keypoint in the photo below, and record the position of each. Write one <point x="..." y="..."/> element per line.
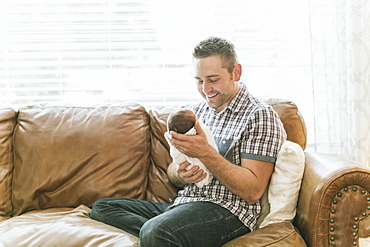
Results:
<point x="215" y="83"/>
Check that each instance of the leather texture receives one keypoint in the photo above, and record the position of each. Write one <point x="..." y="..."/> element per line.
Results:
<point x="7" y="125"/>
<point x="160" y="189"/>
<point x="334" y="199"/>
<point x="292" y="120"/>
<point x="274" y="235"/>
<point x="55" y="161"/>
<point x="67" y="156"/>
<point x="62" y="227"/>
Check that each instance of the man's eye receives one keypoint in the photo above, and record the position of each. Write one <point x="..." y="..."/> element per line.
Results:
<point x="213" y="80"/>
<point x="200" y="82"/>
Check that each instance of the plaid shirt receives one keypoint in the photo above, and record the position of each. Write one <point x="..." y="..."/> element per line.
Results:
<point x="247" y="128"/>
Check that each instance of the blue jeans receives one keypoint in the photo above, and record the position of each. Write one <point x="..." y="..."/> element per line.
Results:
<point x="156" y="224"/>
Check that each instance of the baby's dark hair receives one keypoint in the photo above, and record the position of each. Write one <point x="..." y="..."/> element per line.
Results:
<point x="181" y="121"/>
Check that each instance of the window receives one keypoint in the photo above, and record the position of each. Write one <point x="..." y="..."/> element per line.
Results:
<point x="90" y="51"/>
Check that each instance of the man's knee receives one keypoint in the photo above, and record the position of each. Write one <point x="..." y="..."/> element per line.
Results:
<point x="156" y="232"/>
<point x="150" y="229"/>
<point x="98" y="208"/>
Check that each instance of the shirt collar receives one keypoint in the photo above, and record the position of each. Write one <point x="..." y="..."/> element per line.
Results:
<point x="234" y="105"/>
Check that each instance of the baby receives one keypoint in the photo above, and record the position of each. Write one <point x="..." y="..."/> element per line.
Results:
<point x="183" y="122"/>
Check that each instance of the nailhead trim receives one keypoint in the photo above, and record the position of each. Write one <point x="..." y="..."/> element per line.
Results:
<point x="356" y="219"/>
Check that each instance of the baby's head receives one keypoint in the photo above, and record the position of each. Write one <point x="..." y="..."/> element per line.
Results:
<point x="181" y="121"/>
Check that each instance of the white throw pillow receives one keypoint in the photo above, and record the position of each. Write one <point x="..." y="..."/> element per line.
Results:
<point x="285" y="184"/>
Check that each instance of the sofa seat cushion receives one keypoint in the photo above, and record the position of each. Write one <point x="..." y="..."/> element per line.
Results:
<point x="274" y="235"/>
<point x="61" y="227"/>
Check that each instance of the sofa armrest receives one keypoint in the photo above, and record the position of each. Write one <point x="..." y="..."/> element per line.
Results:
<point x="273" y="235"/>
<point x="334" y="201"/>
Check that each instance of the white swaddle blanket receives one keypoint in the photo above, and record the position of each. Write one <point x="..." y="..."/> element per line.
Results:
<point x="179" y="157"/>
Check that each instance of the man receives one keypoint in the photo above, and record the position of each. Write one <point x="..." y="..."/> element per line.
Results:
<point x="248" y="134"/>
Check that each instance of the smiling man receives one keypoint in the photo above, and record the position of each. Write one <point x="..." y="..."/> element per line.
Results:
<point x="248" y="134"/>
<point x="215" y="83"/>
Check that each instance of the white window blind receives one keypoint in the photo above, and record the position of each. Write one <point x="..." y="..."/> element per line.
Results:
<point x="89" y="51"/>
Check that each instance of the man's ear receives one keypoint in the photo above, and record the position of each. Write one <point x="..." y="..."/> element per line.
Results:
<point x="237" y="72"/>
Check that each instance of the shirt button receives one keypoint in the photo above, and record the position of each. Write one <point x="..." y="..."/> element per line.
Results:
<point x="223" y="142"/>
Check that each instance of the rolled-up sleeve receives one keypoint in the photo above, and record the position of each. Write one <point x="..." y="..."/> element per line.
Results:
<point x="263" y="136"/>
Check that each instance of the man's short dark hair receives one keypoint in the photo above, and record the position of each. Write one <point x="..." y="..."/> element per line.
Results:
<point x="215" y="46"/>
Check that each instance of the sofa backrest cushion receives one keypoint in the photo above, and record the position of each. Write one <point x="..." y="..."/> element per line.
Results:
<point x="7" y="123"/>
<point x="160" y="189"/>
<point x="67" y="156"/>
<point x="292" y="120"/>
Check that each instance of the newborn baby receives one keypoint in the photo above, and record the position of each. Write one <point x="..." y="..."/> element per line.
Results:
<point x="183" y="122"/>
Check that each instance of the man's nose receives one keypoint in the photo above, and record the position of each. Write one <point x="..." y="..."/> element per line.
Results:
<point x="207" y="87"/>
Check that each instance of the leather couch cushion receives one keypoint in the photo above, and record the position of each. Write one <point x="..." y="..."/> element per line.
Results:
<point x="67" y="156"/>
<point x="160" y="189"/>
<point x="7" y="123"/>
<point x="274" y="235"/>
<point x="62" y="227"/>
<point x="292" y="120"/>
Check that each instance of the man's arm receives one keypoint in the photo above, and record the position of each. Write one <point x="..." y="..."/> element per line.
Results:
<point x="248" y="181"/>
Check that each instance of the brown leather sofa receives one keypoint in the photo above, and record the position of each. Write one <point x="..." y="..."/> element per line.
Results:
<point x="55" y="161"/>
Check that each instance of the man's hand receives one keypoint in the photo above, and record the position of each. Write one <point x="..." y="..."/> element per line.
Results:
<point x="192" y="175"/>
<point x="180" y="176"/>
<point x="195" y="146"/>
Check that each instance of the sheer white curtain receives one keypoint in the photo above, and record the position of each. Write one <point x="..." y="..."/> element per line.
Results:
<point x="340" y="38"/>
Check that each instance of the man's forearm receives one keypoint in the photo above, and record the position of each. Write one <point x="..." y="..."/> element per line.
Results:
<point x="248" y="181"/>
